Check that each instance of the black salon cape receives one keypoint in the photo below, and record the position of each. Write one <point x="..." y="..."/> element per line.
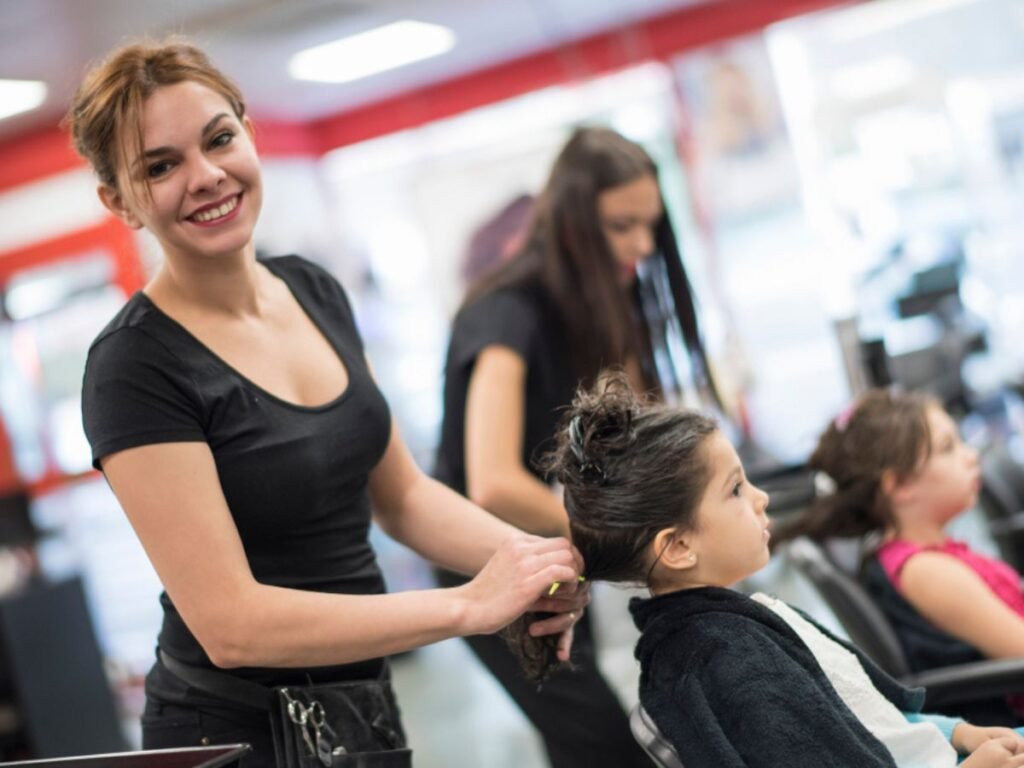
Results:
<point x="729" y="683"/>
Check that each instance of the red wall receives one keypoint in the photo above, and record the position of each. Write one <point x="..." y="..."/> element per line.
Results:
<point x="48" y="152"/>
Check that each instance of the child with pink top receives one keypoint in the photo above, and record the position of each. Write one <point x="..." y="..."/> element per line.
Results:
<point x="895" y="467"/>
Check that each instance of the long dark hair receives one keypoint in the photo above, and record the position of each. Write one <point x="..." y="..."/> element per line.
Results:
<point x="567" y="252"/>
<point x="630" y="469"/>
<point x="885" y="430"/>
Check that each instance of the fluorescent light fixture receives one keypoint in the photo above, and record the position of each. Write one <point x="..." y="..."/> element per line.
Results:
<point x="18" y="96"/>
<point x="872" y="78"/>
<point x="367" y="53"/>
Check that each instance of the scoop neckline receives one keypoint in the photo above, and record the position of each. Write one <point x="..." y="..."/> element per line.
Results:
<point x="341" y="353"/>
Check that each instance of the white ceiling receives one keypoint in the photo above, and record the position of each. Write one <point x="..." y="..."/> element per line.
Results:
<point x="251" y="40"/>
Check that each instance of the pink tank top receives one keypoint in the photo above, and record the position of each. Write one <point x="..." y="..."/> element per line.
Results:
<point x="1000" y="578"/>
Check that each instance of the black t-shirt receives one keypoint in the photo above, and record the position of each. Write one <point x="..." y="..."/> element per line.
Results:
<point x="295" y="478"/>
<point x="522" y="319"/>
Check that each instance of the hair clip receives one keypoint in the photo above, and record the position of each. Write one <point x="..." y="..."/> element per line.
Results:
<point x="824" y="485"/>
<point x="576" y="440"/>
<point x="594" y="473"/>
<point x="843" y="418"/>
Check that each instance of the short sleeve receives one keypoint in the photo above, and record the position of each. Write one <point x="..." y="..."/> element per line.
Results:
<point x="944" y="723"/>
<point x="505" y="318"/>
<point x="893" y="556"/>
<point x="135" y="392"/>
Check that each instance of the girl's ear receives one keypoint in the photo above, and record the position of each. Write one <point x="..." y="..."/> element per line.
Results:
<point x="893" y="489"/>
<point x="673" y="549"/>
<point x="114" y="202"/>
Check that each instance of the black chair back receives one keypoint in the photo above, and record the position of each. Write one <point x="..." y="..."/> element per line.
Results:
<point x="867" y="626"/>
<point x="1002" y="500"/>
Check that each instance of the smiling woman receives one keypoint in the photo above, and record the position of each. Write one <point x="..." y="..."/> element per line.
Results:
<point x="198" y="174"/>
<point x="232" y="411"/>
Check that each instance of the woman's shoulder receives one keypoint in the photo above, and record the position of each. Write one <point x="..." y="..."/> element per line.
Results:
<point x="309" y="280"/>
<point x="292" y="267"/>
<point x="526" y="294"/>
<point x="138" y="322"/>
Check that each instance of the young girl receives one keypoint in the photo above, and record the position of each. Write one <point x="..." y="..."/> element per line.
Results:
<point x="232" y="411"/>
<point x="657" y="496"/>
<point x="896" y="468"/>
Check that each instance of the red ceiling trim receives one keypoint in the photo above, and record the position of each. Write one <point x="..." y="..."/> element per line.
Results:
<point x="659" y="38"/>
<point x="41" y="154"/>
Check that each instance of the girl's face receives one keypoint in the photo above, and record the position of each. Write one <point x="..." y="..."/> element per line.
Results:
<point x="948" y="481"/>
<point x="628" y="215"/>
<point x="202" y="170"/>
<point x="730" y="539"/>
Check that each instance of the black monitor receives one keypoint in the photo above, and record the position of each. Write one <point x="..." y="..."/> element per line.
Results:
<point x="221" y="756"/>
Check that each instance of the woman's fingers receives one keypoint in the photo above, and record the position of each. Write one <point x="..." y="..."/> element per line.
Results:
<point x="560" y="603"/>
<point x="553" y="625"/>
<point x="564" y="648"/>
<point x="520" y="571"/>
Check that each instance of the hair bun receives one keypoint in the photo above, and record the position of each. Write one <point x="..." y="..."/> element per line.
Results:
<point x="600" y="423"/>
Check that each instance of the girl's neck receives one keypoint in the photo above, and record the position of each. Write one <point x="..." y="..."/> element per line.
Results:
<point x="923" y="532"/>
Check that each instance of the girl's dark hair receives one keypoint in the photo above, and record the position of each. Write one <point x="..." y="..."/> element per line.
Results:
<point x="566" y="251"/>
<point x="884" y="430"/>
<point x="630" y="469"/>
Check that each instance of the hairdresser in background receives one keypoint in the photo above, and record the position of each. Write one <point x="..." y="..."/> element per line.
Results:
<point x="567" y="305"/>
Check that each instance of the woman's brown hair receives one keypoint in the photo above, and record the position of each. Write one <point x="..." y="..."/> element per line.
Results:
<point x="567" y="251"/>
<point x="105" y="117"/>
<point x="884" y="431"/>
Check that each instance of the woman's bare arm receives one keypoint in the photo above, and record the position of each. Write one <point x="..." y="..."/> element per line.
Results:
<point x="955" y="599"/>
<point x="495" y="421"/>
<point x="172" y="497"/>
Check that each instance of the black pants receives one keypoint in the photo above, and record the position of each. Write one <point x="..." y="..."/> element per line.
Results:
<point x="579" y="717"/>
<point x="177" y="715"/>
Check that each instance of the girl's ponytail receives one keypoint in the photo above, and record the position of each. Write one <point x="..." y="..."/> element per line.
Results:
<point x="885" y="431"/>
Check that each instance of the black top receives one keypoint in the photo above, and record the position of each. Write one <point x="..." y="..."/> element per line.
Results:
<point x="522" y="319"/>
<point x="295" y="477"/>
<point x="925" y="645"/>
<point x="731" y="685"/>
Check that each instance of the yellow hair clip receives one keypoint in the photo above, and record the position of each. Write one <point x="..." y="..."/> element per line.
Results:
<point x="556" y="584"/>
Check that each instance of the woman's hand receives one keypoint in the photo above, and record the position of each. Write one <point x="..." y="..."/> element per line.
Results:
<point x="967" y="738"/>
<point x="518" y="578"/>
<point x="567" y="603"/>
<point x="999" y="752"/>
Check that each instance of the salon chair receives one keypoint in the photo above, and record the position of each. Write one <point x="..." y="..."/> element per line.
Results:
<point x="964" y="689"/>
<point x="647" y="735"/>
<point x="1001" y="498"/>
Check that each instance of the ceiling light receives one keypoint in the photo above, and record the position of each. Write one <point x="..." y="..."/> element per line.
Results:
<point x="18" y="96"/>
<point x="367" y="53"/>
